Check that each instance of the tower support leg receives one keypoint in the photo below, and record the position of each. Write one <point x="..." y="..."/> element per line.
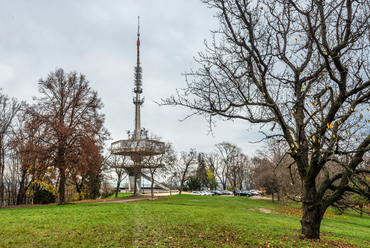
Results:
<point x="133" y="184"/>
<point x="132" y="174"/>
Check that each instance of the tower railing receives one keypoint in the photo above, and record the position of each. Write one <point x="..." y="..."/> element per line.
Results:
<point x="144" y="147"/>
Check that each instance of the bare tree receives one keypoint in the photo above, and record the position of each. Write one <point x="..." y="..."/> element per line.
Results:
<point x="117" y="164"/>
<point x="159" y="162"/>
<point x="272" y="164"/>
<point x="11" y="180"/>
<point x="228" y="154"/>
<point x="264" y="177"/>
<point x="271" y="172"/>
<point x="184" y="166"/>
<point x="301" y="69"/>
<point x="240" y="172"/>
<point x="8" y="110"/>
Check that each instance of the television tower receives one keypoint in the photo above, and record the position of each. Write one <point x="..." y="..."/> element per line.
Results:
<point x="138" y="144"/>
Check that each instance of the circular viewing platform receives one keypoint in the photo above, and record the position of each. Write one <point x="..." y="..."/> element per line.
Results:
<point x="139" y="147"/>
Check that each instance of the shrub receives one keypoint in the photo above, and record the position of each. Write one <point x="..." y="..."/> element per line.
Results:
<point x="43" y="197"/>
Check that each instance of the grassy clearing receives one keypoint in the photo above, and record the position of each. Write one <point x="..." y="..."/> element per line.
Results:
<point x="174" y="221"/>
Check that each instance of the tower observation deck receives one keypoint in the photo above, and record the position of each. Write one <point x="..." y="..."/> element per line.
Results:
<point x="138" y="144"/>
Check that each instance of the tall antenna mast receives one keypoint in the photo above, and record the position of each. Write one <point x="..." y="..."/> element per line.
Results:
<point x="138" y="89"/>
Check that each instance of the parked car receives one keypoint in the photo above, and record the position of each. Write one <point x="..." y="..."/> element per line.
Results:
<point x="256" y="192"/>
<point x="207" y="193"/>
<point x="243" y="193"/>
<point x="215" y="192"/>
<point x="248" y="193"/>
<point x="226" y="192"/>
<point x="195" y="193"/>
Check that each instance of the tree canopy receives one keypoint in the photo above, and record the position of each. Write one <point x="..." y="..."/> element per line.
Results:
<point x="72" y="131"/>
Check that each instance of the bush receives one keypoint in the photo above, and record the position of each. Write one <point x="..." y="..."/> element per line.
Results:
<point x="194" y="183"/>
<point x="43" y="197"/>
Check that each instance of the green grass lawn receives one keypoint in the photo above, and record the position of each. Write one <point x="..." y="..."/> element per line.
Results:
<point x="175" y="221"/>
<point x="119" y="196"/>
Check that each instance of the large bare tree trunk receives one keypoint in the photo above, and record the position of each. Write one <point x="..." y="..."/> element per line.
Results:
<point x="313" y="212"/>
<point x="311" y="220"/>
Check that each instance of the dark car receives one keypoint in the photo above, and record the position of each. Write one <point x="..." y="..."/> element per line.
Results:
<point x="243" y="193"/>
<point x="226" y="192"/>
<point x="215" y="192"/>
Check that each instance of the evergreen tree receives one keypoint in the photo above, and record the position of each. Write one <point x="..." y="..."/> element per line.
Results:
<point x="201" y="173"/>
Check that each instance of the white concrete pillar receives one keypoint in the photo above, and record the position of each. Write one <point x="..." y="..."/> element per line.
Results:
<point x="132" y="183"/>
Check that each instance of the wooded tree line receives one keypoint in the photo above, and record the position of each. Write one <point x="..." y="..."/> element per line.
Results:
<point x="224" y="168"/>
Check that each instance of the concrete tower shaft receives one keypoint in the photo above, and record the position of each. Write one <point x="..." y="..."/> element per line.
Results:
<point x="138" y="87"/>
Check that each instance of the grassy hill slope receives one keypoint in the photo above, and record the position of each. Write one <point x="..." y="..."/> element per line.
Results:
<point x="175" y="221"/>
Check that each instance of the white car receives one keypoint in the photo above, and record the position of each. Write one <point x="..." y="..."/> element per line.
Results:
<point x="256" y="192"/>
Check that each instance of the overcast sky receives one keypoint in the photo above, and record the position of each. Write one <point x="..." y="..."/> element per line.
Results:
<point x="98" y="39"/>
